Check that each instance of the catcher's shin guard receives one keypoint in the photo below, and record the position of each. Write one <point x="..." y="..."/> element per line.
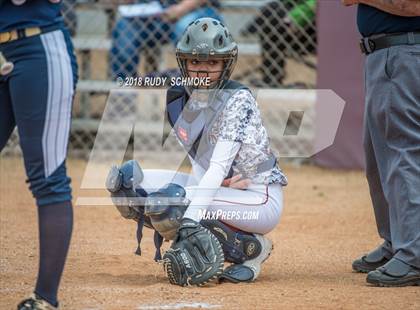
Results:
<point x="250" y="269"/>
<point x="165" y="208"/>
<point x="124" y="185"/>
<point x="128" y="196"/>
<point x="238" y="246"/>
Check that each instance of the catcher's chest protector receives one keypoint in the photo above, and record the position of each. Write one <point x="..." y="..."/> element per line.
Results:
<point x="193" y="127"/>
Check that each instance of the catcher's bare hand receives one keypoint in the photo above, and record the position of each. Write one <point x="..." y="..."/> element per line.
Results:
<point x="236" y="182"/>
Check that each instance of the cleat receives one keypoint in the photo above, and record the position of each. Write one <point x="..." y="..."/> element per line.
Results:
<point x="34" y="302"/>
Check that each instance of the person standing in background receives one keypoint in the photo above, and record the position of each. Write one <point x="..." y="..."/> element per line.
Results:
<point x="391" y="41"/>
<point x="282" y="26"/>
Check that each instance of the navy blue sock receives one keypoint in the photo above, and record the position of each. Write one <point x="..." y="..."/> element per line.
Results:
<point x="55" y="227"/>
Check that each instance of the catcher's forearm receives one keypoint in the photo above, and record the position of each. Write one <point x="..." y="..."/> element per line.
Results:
<point x="223" y="155"/>
<point x="396" y="7"/>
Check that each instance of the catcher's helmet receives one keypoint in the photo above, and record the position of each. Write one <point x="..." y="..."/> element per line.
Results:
<point x="207" y="39"/>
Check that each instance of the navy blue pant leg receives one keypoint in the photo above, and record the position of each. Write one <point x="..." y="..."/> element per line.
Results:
<point x="37" y="98"/>
<point x="40" y="91"/>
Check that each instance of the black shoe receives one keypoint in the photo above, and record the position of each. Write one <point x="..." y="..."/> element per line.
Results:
<point x="370" y="261"/>
<point x="394" y="273"/>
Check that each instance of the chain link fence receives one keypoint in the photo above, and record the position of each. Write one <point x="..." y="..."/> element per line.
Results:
<point x="276" y="40"/>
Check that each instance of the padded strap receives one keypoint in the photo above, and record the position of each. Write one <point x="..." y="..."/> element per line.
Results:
<point x="158" y="240"/>
<point x="237" y="273"/>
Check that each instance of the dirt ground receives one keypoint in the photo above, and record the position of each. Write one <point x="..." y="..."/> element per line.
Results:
<point x="327" y="222"/>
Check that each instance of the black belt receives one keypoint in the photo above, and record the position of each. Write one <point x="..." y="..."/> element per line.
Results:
<point x="370" y="44"/>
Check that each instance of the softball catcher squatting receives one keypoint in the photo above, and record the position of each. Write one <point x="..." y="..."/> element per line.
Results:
<point x="220" y="128"/>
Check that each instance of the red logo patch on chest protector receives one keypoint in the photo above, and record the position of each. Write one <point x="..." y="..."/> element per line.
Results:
<point x="182" y="133"/>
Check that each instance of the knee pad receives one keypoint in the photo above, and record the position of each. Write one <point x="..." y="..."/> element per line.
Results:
<point x="126" y="193"/>
<point x="238" y="246"/>
<point x="165" y="208"/>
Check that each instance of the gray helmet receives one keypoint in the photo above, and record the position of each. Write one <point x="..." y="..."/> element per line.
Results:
<point x="204" y="39"/>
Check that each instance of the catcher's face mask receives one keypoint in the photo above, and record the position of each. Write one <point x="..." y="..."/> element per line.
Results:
<point x="207" y="49"/>
<point x="211" y="70"/>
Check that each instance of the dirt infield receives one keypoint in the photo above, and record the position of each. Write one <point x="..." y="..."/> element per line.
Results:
<point x="327" y="222"/>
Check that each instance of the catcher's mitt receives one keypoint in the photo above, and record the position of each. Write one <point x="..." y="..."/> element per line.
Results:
<point x="195" y="257"/>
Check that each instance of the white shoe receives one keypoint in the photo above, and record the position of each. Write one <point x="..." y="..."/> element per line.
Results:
<point x="255" y="263"/>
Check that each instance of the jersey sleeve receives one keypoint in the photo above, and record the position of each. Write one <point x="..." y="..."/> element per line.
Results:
<point x="235" y="118"/>
<point x="223" y="155"/>
<point x="197" y="171"/>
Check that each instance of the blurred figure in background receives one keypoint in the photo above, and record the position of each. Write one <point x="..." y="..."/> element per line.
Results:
<point x="132" y="34"/>
<point x="283" y="25"/>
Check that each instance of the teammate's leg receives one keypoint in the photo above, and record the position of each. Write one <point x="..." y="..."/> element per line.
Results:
<point x="7" y="119"/>
<point x="42" y="114"/>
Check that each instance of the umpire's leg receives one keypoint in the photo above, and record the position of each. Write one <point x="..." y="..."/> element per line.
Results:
<point x="41" y="91"/>
<point x="393" y="114"/>
<point x="380" y="205"/>
<point x="374" y="147"/>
